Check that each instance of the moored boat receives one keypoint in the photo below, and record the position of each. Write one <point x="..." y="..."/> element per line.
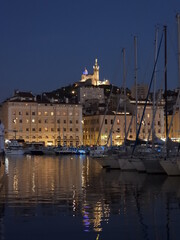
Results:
<point x="170" y="166"/>
<point x="14" y="148"/>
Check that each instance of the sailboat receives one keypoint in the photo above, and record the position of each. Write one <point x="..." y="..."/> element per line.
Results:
<point x="150" y="159"/>
<point x="171" y="161"/>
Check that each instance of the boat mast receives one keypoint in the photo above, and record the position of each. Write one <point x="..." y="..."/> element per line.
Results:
<point x="105" y="112"/>
<point x="178" y="33"/>
<point x="165" y="76"/>
<point x="135" y="76"/>
<point x="124" y="81"/>
<point x="178" y="39"/>
<point x="152" y="77"/>
<point x="154" y="88"/>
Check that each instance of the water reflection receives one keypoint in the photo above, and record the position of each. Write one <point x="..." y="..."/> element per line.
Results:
<point x="127" y="204"/>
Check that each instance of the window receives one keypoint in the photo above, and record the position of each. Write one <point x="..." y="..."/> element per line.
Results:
<point x="33" y="129"/>
<point x="20" y="120"/>
<point x="64" y="129"/>
<point x="27" y="129"/>
<point x="45" y="113"/>
<point x="45" y="121"/>
<point x="52" y="113"/>
<point x="27" y="113"/>
<point x="64" y="121"/>
<point x="39" y="113"/>
<point x="77" y="121"/>
<point x="105" y="121"/>
<point x="33" y="120"/>
<point x="70" y="121"/>
<point x="46" y="129"/>
<point x="39" y="121"/>
<point x="111" y="121"/>
<point x="58" y="121"/>
<point x="39" y="129"/>
<point x="33" y="113"/>
<point x="70" y="129"/>
<point x="52" y="129"/>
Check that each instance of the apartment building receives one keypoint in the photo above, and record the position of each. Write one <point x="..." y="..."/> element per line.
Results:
<point x="97" y="128"/>
<point x="34" y="121"/>
<point x="146" y="126"/>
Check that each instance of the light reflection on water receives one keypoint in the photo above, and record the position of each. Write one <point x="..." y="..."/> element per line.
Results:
<point x="72" y="195"/>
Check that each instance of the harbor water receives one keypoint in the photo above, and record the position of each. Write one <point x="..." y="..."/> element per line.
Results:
<point x="72" y="197"/>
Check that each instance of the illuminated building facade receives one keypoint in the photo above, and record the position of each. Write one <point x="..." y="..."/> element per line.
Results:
<point x="93" y="124"/>
<point x="50" y="123"/>
<point x="146" y="126"/>
<point x="174" y="133"/>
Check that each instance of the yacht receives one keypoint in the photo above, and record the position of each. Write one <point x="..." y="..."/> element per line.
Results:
<point x="14" y="148"/>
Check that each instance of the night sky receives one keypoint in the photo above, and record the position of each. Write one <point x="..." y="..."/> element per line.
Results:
<point x="46" y="44"/>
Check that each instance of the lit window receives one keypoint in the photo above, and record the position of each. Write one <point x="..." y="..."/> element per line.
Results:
<point x="52" y="113"/>
<point x="45" y="113"/>
<point x="33" y="120"/>
<point x="46" y="129"/>
<point x="39" y="113"/>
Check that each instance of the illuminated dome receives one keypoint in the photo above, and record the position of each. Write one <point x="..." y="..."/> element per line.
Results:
<point x="85" y="72"/>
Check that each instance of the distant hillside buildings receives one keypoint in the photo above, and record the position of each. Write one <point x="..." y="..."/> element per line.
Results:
<point x="87" y="112"/>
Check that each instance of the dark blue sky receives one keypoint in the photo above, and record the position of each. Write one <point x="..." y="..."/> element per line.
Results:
<point x="45" y="44"/>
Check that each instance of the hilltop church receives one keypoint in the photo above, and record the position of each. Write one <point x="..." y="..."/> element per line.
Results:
<point x="92" y="79"/>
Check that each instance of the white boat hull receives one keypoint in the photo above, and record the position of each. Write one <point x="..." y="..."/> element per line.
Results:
<point x="14" y="152"/>
<point x="170" y="167"/>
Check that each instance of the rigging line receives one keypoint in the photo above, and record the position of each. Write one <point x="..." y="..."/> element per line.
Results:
<point x="137" y="135"/>
<point x="110" y="133"/>
<point x="114" y="119"/>
<point x="158" y="100"/>
<point x="104" y="115"/>
<point x="174" y="110"/>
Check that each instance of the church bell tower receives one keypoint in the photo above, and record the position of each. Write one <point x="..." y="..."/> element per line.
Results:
<point x="96" y="73"/>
